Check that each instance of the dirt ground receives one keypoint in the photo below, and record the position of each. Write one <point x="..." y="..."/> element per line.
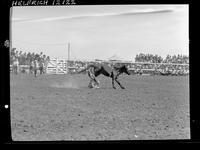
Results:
<point x="62" y="107"/>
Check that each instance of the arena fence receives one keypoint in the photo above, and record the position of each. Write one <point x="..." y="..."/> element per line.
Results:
<point x="62" y="66"/>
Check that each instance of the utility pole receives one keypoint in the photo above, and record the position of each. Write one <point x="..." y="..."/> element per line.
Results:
<point x="68" y="51"/>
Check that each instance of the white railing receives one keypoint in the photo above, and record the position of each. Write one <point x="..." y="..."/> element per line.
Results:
<point x="57" y="66"/>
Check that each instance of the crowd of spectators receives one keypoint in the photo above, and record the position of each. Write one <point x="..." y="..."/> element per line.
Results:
<point x="179" y="59"/>
<point x="160" y="68"/>
<point x="25" y="58"/>
<point x="148" y="58"/>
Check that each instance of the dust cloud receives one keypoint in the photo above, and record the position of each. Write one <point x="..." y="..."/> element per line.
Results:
<point x="67" y="83"/>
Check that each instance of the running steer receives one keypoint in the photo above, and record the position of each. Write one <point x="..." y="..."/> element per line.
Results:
<point x="106" y="71"/>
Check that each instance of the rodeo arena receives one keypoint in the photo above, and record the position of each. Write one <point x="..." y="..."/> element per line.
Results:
<point x="63" y="99"/>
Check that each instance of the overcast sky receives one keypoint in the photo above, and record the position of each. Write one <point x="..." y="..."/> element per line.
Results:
<point x="101" y="31"/>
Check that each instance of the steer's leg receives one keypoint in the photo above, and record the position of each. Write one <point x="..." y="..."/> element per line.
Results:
<point x="119" y="83"/>
<point x="113" y="84"/>
<point x="113" y="80"/>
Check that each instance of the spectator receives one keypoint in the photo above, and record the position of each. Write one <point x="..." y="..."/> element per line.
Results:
<point x="23" y="58"/>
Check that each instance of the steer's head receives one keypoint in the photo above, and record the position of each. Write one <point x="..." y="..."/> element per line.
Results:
<point x="124" y="69"/>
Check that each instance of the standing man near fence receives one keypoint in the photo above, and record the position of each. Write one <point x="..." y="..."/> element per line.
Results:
<point x="41" y="66"/>
<point x="35" y="67"/>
